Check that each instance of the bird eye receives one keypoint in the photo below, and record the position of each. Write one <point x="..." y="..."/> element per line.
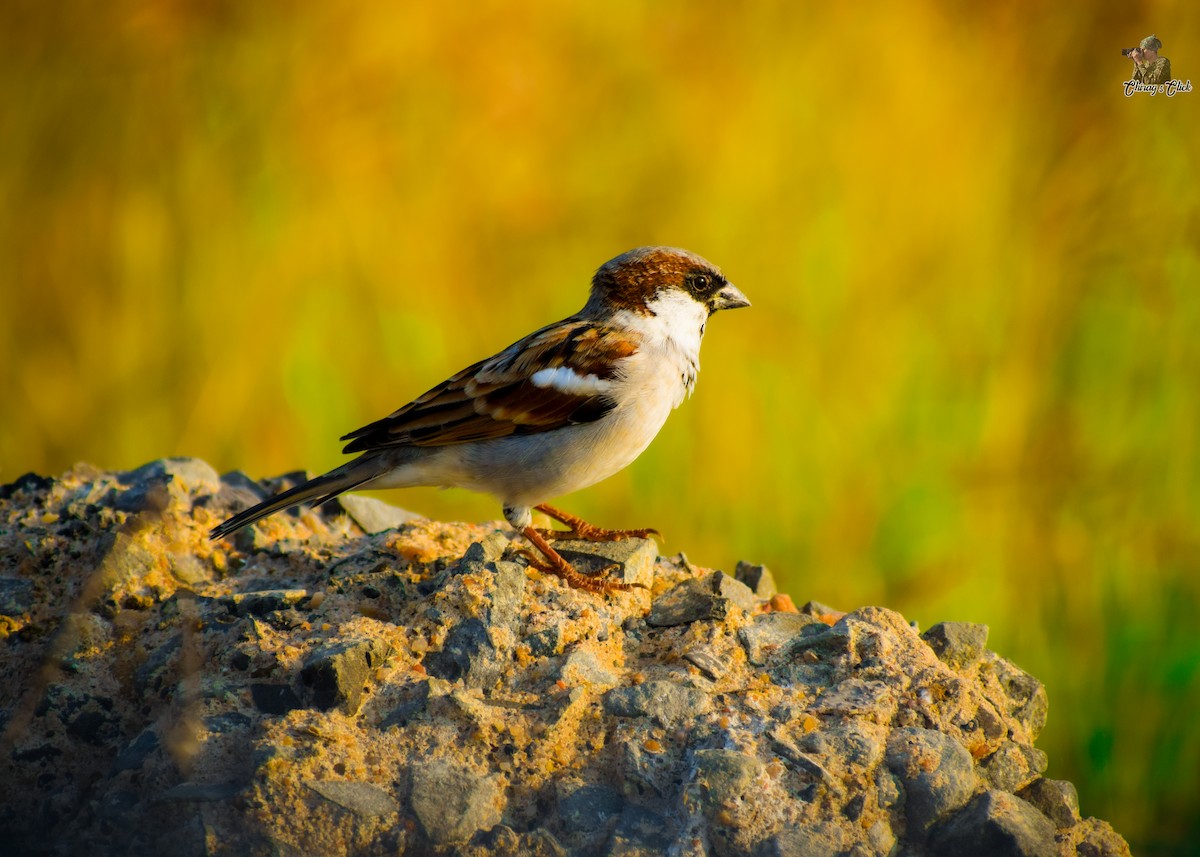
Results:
<point x="700" y="282"/>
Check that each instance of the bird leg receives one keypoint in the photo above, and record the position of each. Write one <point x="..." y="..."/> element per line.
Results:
<point x="581" y="529"/>
<point x="556" y="565"/>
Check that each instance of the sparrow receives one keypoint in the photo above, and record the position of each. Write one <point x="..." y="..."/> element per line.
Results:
<point x="565" y="407"/>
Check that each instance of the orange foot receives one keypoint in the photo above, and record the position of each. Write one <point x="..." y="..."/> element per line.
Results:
<point x="556" y="565"/>
<point x="581" y="529"/>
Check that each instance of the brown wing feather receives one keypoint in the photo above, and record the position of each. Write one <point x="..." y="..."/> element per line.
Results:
<point x="495" y="398"/>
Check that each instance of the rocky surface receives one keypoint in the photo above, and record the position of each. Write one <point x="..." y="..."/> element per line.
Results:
<point x="351" y="680"/>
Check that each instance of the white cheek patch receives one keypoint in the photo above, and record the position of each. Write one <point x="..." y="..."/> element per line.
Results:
<point x="680" y="317"/>
<point x="567" y="380"/>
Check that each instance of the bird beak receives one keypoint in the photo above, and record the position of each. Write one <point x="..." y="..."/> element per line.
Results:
<point x="729" y="298"/>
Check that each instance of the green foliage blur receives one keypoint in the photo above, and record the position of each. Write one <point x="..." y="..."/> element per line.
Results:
<point x="967" y="388"/>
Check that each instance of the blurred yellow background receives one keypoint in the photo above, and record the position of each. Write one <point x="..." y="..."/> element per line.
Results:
<point x="967" y="388"/>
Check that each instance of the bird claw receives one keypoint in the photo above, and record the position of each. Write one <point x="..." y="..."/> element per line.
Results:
<point x="593" y="582"/>
<point x="579" y="529"/>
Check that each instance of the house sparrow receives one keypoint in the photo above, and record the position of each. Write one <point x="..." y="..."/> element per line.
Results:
<point x="557" y="411"/>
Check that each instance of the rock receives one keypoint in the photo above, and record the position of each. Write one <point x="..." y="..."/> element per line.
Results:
<point x="16" y="596"/>
<point x="1095" y="838"/>
<point x="959" y="645"/>
<point x="189" y="570"/>
<point x="155" y="486"/>
<point x="125" y="564"/>
<point x="726" y="774"/>
<point x="266" y="601"/>
<point x="1056" y="799"/>
<point x="995" y="824"/>
<point x="545" y="643"/>
<point x="587" y="809"/>
<point x="698" y="599"/>
<point x="817" y="609"/>
<point x="936" y="773"/>
<point x="709" y="660"/>
<point x="363" y="799"/>
<point x="583" y="667"/>
<point x="136" y="752"/>
<point x="236" y="480"/>
<point x="227" y="721"/>
<point x="274" y="698"/>
<point x="1013" y="766"/>
<point x="668" y="703"/>
<point x="864" y="700"/>
<point x="839" y="747"/>
<point x="1025" y="695"/>
<point x="639" y="833"/>
<point x="488" y="549"/>
<point x="27" y="483"/>
<point x="757" y="577"/>
<point x="503" y="841"/>
<point x="506" y="593"/>
<point x="411" y="706"/>
<point x="767" y="633"/>
<point x="199" y="792"/>
<point x="374" y="516"/>
<point x="453" y="802"/>
<point x="157" y="669"/>
<point x="733" y="590"/>
<point x="799" y="842"/>
<point x="634" y="558"/>
<point x="467" y="656"/>
<point x="334" y="675"/>
<point x="737" y="800"/>
<point x="307" y="688"/>
<point x="690" y="601"/>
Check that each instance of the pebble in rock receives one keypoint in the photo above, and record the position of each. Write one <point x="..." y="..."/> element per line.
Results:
<point x="159" y="484"/>
<point x="334" y="675"/>
<point x="411" y="705"/>
<point x="363" y="799"/>
<point x="767" y="633"/>
<point x="936" y="772"/>
<point x="488" y="549"/>
<point x="506" y="593"/>
<point x="16" y="596"/>
<point x="737" y="799"/>
<point x="583" y="667"/>
<point x="959" y="645"/>
<point x="588" y="808"/>
<point x="995" y="824"/>
<point x="639" y="833"/>
<point x="1058" y="800"/>
<point x="668" y="702"/>
<point x="468" y="655"/>
<point x="698" y="599"/>
<point x="454" y="802"/>
<point x="1013" y="766"/>
<point x="1026" y="695"/>
<point x="374" y="516"/>
<point x="274" y="698"/>
<point x="757" y="577"/>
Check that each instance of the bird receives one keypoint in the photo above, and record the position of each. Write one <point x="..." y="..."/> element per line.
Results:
<point x="557" y="411"/>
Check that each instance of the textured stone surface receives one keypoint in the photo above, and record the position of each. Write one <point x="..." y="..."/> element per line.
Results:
<point x="996" y="824"/>
<point x="958" y="644"/>
<point x="324" y="684"/>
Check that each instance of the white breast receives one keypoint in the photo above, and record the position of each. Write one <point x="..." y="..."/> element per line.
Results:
<point x="529" y="469"/>
<point x="671" y="341"/>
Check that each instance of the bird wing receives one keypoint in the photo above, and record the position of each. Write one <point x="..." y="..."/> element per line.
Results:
<point x="561" y="375"/>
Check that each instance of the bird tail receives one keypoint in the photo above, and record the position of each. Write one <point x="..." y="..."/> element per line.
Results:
<point x="315" y="491"/>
